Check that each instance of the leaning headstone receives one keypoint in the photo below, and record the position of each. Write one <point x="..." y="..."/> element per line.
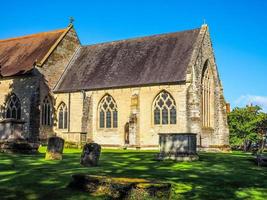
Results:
<point x="54" y="148"/>
<point x="90" y="155"/>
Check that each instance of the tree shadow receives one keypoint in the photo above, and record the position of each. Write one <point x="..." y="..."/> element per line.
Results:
<point x="214" y="176"/>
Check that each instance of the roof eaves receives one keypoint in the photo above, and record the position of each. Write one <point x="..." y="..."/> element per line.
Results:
<point x="119" y="87"/>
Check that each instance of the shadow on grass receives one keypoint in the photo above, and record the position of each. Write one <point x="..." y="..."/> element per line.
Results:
<point x="214" y="176"/>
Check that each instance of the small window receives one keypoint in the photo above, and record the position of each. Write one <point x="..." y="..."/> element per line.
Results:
<point x="173" y="116"/>
<point x="46" y="112"/>
<point x="108" y="114"/>
<point x="108" y="119"/>
<point x="157" y="116"/>
<point x="13" y="108"/>
<point x="165" y="115"/>
<point x="164" y="109"/>
<point x="102" y="120"/>
<point x="115" y="119"/>
<point x="62" y="116"/>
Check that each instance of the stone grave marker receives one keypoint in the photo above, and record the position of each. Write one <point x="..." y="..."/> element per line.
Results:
<point x="178" y="146"/>
<point x="54" y="148"/>
<point x="90" y="154"/>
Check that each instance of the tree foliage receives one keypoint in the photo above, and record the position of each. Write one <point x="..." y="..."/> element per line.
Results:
<point x="247" y="127"/>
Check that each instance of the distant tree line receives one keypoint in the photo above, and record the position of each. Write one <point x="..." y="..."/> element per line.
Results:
<point x="248" y="128"/>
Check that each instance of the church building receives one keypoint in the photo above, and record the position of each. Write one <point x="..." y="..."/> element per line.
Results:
<point x="117" y="94"/>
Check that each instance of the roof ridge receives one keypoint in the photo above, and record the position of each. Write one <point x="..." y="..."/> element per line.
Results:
<point x="32" y="35"/>
<point x="138" y="38"/>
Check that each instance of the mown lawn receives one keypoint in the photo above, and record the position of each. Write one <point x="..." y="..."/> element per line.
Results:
<point x="214" y="176"/>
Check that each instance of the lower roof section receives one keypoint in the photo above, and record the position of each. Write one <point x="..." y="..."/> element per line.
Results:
<point x="19" y="55"/>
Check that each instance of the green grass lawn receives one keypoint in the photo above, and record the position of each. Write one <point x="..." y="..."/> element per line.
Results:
<point x="214" y="176"/>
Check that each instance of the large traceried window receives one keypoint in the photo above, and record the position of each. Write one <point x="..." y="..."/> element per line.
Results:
<point x="13" y="107"/>
<point x="108" y="114"/>
<point x="46" y="112"/>
<point x="62" y="116"/>
<point x="164" y="109"/>
<point x="207" y="97"/>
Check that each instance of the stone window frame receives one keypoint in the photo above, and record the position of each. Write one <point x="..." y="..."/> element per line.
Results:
<point x="46" y="112"/>
<point x="62" y="113"/>
<point x="160" y="105"/>
<point x="106" y="121"/>
<point x="207" y="96"/>
<point x="13" y="107"/>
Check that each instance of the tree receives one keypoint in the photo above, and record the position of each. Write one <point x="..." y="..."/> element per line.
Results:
<point x="247" y="126"/>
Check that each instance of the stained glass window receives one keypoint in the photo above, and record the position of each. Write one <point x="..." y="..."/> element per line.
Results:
<point x="62" y="116"/>
<point x="13" y="108"/>
<point x="164" y="109"/>
<point x="108" y="114"/>
<point x="46" y="112"/>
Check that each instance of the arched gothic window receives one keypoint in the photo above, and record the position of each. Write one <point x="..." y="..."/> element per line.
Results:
<point x="46" y="112"/>
<point x="108" y="113"/>
<point x="164" y="109"/>
<point x="13" y="107"/>
<point x="62" y="116"/>
<point x="207" y="97"/>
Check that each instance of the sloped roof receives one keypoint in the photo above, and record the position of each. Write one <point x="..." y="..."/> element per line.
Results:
<point x="142" y="61"/>
<point x="18" y="55"/>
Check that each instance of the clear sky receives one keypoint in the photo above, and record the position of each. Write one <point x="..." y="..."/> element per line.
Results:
<point x="238" y="30"/>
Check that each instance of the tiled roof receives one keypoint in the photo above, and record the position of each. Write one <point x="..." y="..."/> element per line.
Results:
<point x="18" y="55"/>
<point x="142" y="61"/>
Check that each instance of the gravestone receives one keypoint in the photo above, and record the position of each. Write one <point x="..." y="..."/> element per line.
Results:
<point x="54" y="148"/>
<point x="177" y="146"/>
<point x="90" y="155"/>
<point x="11" y="129"/>
<point x="121" y="187"/>
<point x="12" y="139"/>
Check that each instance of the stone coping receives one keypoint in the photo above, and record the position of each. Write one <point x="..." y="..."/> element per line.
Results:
<point x="177" y="134"/>
<point x="177" y="156"/>
<point x="18" y="146"/>
<point x="70" y="132"/>
<point x="11" y="120"/>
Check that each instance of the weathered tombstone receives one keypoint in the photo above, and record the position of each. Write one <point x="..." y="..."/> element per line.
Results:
<point x="121" y="187"/>
<point x="11" y="129"/>
<point x="177" y="146"/>
<point x="54" y="148"/>
<point x="12" y="139"/>
<point x="90" y="155"/>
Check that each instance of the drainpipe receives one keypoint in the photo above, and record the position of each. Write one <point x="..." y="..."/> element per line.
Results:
<point x="84" y="95"/>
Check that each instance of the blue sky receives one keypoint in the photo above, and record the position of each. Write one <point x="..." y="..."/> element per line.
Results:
<point x="238" y="29"/>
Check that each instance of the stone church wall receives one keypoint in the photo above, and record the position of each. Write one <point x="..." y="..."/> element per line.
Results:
<point x="55" y="65"/>
<point x="217" y="136"/>
<point x="26" y="88"/>
<point x="53" y="69"/>
<point x="31" y="89"/>
<point x="146" y="132"/>
<point x="74" y="103"/>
